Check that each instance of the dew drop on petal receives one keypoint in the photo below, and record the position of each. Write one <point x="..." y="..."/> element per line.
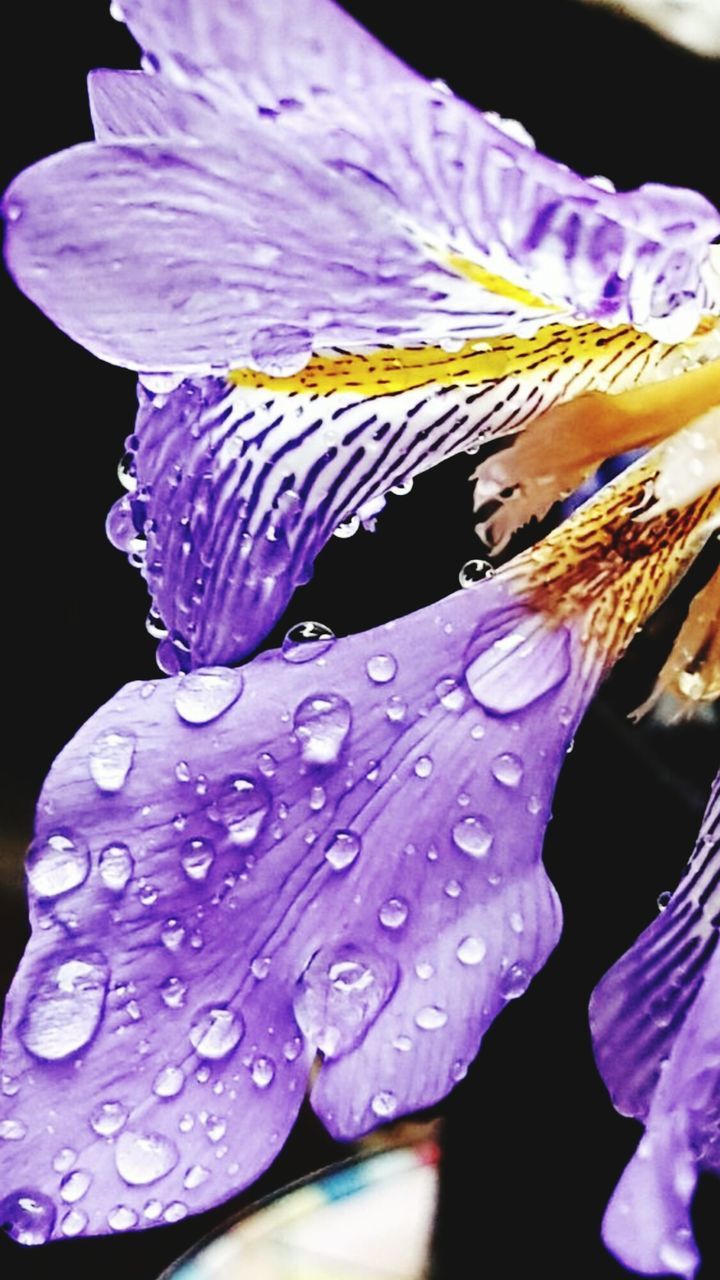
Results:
<point x="474" y="571"/>
<point x="281" y="350"/>
<point x="28" y="1216"/>
<point x="66" y="1005"/>
<point x="108" y="1119"/>
<point x="57" y="864"/>
<point x="169" y="1082"/>
<point x="203" y="695"/>
<point x="423" y="767"/>
<point x="393" y="913"/>
<point x="173" y="993"/>
<point x="306" y="641"/>
<point x="471" y="951"/>
<point x="663" y="899"/>
<point x="64" y="1160"/>
<point x="75" y="1185"/>
<point x="450" y="694"/>
<point x="453" y="889"/>
<point x="402" y="1043"/>
<point x="340" y="994"/>
<point x="122" y="1218"/>
<point x="517" y="667"/>
<point x="260" y="967"/>
<point x="381" y="668"/>
<point x="116" y="865"/>
<point x="514" y="982"/>
<point x="347" y="528"/>
<point x="143" y="1158"/>
<point x="74" y="1223"/>
<point x="110" y="759"/>
<point x="172" y="934"/>
<point x="507" y="769"/>
<point x="343" y="850"/>
<point x="216" y="1031"/>
<point x="384" y="1104"/>
<point x="318" y="799"/>
<point x="473" y="836"/>
<point x="243" y="805"/>
<point x="322" y="724"/>
<point x="12" y="1130"/>
<point x="431" y="1018"/>
<point x="396" y="709"/>
<point x="196" y="858"/>
<point x="262" y="1072"/>
<point x="195" y="1176"/>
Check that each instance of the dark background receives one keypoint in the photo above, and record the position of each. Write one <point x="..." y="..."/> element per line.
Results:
<point x="533" y="1146"/>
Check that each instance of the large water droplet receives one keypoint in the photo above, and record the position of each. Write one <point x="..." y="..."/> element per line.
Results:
<point x="307" y="640"/>
<point x="471" y="951"/>
<point x="196" y="858"/>
<point x="381" y="668"/>
<point x="514" y="982"/>
<point x="65" y="1006"/>
<point x="57" y="864"/>
<point x="12" y="1130"/>
<point x="116" y="865"/>
<point x="108" y="1119"/>
<point x="474" y="571"/>
<point x="243" y="805"/>
<point x="473" y="835"/>
<point x="431" y="1018"/>
<point x="203" y="695"/>
<point x="75" y="1185"/>
<point x="110" y="759"/>
<point x="393" y="913"/>
<point x="28" y="1216"/>
<point x="507" y="769"/>
<point x="322" y="724"/>
<point x="281" y="350"/>
<point x="143" y="1158"/>
<point x="515" y="662"/>
<point x="343" y="850"/>
<point x="340" y="994"/>
<point x="122" y="1218"/>
<point x="73" y="1223"/>
<point x="216" y="1031"/>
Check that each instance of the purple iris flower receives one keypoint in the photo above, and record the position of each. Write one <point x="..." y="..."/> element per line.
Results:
<point x="333" y="850"/>
<point x="657" y="1043"/>
<point x="330" y="274"/>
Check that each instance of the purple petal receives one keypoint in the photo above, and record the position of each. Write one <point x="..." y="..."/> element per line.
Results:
<point x="343" y="853"/>
<point x="239" y="487"/>
<point x="654" y="1023"/>
<point x="131" y="104"/>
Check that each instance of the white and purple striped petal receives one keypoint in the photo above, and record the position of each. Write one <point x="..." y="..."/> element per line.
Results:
<point x="656" y="1030"/>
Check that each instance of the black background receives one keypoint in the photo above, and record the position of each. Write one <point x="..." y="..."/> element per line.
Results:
<point x="533" y="1146"/>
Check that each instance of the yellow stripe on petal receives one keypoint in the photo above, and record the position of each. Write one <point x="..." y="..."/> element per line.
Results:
<point x="498" y="284"/>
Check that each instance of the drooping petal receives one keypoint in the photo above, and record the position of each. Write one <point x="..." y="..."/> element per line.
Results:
<point x="690" y="678"/>
<point x="233" y="863"/>
<point x="655" y="1031"/>
<point x="240" y="485"/>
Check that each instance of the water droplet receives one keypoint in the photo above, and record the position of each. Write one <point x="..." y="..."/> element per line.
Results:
<point x="424" y="970"/>
<point x="340" y="995"/>
<point x="216" y="1031"/>
<point x="169" y="1082"/>
<point x="516" y="665"/>
<point x="515" y="982"/>
<point x="423" y="767"/>
<point x="384" y="1104"/>
<point x="322" y="724"/>
<point x="175" y="1211"/>
<point x="474" y="571"/>
<point x="64" y="1159"/>
<point x="678" y="1255"/>
<point x="343" y="850"/>
<point x="396" y="709"/>
<point x="347" y="528"/>
<point x="453" y="888"/>
<point x="74" y="1223"/>
<point x="203" y="695"/>
<point x="195" y="1176"/>
<point x="182" y="771"/>
<point x="110" y="759"/>
<point x="172" y="934"/>
<point x="65" y="1006"/>
<point x="306" y="641"/>
<point x="471" y="951"/>
<point x="381" y="668"/>
<point x="108" y="1119"/>
<point x="431" y="1017"/>
<point x="74" y="1185"/>
<point x="148" y="895"/>
<point x="402" y="1043"/>
<point x="28" y="1216"/>
<point x="12" y="1130"/>
<point x="663" y="900"/>
<point x="143" y="1158"/>
<point x="260" y="967"/>
<point x="173" y="992"/>
<point x="215" y="1127"/>
<point x="449" y="694"/>
<point x="281" y="350"/>
<point x="267" y="764"/>
<point x="196" y="858"/>
<point x="472" y="835"/>
<point x="517" y="924"/>
<point x="122" y="1218"/>
<point x="507" y="769"/>
<point x="262" y="1072"/>
<point x="116" y="865"/>
<point x="243" y="805"/>
<point x="57" y="864"/>
<point x="318" y="799"/>
<point x="393" y="913"/>
<point x="292" y="1049"/>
